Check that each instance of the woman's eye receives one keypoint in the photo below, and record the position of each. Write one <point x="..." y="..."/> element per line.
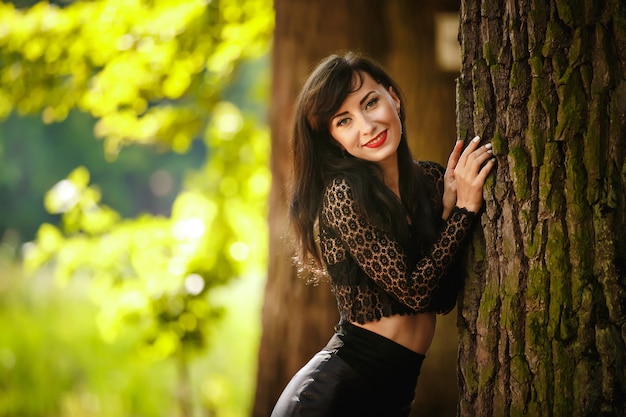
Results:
<point x="343" y="122"/>
<point x="371" y="103"/>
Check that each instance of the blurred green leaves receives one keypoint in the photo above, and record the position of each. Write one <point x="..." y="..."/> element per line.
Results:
<point x="152" y="73"/>
<point x="154" y="270"/>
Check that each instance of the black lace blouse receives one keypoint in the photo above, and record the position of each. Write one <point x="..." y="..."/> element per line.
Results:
<point x="372" y="275"/>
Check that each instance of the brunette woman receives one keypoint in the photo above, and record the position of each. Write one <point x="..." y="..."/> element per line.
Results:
<point x="385" y="229"/>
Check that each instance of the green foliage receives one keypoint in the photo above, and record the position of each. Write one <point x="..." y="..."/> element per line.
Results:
<point x="54" y="362"/>
<point x="156" y="270"/>
<point x="151" y="73"/>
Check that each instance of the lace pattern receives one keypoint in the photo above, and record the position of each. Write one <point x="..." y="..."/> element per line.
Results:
<point x="372" y="275"/>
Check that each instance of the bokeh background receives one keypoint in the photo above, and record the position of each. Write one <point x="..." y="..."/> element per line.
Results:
<point x="133" y="185"/>
<point x="144" y="269"/>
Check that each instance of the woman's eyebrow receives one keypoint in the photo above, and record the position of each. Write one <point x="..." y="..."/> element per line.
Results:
<point x="363" y="100"/>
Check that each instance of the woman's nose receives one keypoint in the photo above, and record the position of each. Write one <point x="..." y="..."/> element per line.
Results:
<point x="367" y="124"/>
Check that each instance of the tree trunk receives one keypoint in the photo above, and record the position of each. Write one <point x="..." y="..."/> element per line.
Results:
<point x="542" y="323"/>
<point x="298" y="319"/>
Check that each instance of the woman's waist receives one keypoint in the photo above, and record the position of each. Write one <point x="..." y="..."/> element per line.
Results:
<point x="414" y="332"/>
<point x="374" y="355"/>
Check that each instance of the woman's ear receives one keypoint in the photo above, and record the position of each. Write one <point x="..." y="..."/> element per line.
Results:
<point x="395" y="99"/>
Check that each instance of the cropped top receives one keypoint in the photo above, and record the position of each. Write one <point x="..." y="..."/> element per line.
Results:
<point x="373" y="275"/>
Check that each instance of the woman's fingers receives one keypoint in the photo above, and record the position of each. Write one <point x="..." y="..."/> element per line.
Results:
<point x="453" y="160"/>
<point x="482" y="155"/>
<point x="486" y="169"/>
<point x="474" y="157"/>
<point x="475" y="164"/>
<point x="471" y="147"/>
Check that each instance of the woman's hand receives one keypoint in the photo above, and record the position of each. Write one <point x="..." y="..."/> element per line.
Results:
<point x="465" y="176"/>
<point x="449" y="183"/>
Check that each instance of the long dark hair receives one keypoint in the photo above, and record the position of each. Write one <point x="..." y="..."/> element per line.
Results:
<point x="318" y="159"/>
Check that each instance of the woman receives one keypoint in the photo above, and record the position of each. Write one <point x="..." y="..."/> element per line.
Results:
<point x="384" y="228"/>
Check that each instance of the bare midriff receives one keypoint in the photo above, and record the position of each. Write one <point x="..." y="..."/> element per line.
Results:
<point x="414" y="332"/>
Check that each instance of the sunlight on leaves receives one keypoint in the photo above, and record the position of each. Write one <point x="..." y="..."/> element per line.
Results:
<point x="133" y="57"/>
<point x="153" y="74"/>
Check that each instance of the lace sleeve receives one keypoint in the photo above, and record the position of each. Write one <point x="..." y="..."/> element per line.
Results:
<point x="382" y="258"/>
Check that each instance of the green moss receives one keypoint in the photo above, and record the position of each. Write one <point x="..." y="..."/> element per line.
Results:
<point x="540" y="355"/>
<point x="536" y="65"/>
<point x="488" y="304"/>
<point x="518" y="75"/>
<point x="586" y="75"/>
<point x="536" y="286"/>
<point x="510" y="303"/>
<point x="536" y="335"/>
<point x="567" y="11"/>
<point x="576" y="49"/>
<point x="537" y="139"/>
<point x="486" y="374"/>
<point x="552" y="48"/>
<point x="499" y="143"/>
<point x="521" y="378"/>
<point x="489" y="55"/>
<point x="576" y="183"/>
<point x="537" y="119"/>
<point x="532" y="240"/>
<point x="519" y="48"/>
<point x="520" y="168"/>
<point x="563" y="380"/>
<point x="538" y="15"/>
<point x="556" y="246"/>
<point x="587" y="392"/>
<point x="550" y="110"/>
<point x="478" y="248"/>
<point x="520" y="371"/>
<point x="470" y="372"/>
<point x="540" y="98"/>
<point x="549" y="191"/>
<point x="562" y="322"/>
<point x="572" y="112"/>
<point x="481" y="95"/>
<point x="594" y="148"/>
<point x="581" y="250"/>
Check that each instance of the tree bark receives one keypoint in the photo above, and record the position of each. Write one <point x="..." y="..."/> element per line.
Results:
<point x="298" y="319"/>
<point x="542" y="322"/>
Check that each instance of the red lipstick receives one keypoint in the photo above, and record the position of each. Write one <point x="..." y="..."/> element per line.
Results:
<point x="377" y="141"/>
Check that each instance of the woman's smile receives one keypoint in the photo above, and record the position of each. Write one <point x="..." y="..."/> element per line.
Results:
<point x="379" y="140"/>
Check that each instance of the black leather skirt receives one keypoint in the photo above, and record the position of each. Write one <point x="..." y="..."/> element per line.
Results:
<point x="358" y="373"/>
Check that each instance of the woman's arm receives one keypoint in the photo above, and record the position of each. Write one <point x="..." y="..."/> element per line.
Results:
<point x="383" y="259"/>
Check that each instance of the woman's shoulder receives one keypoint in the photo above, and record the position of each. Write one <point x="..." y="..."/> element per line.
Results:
<point x="337" y="187"/>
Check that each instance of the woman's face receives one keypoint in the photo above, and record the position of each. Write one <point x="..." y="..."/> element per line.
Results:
<point x="367" y="124"/>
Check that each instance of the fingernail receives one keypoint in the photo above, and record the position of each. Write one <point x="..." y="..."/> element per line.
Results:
<point x="488" y="146"/>
<point x="476" y="139"/>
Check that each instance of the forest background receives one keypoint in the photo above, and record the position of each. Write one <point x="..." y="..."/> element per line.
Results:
<point x="138" y="177"/>
<point x="134" y="174"/>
